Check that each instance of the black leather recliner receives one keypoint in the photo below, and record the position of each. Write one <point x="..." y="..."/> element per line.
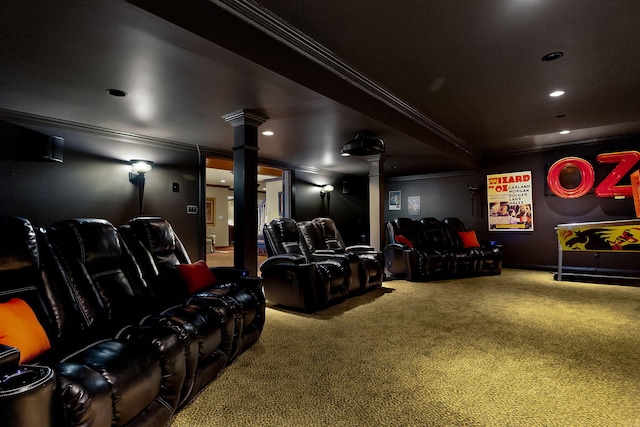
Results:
<point x="488" y="254"/>
<point x="123" y="351"/>
<point x="438" y="237"/>
<point x="98" y="379"/>
<point x="293" y="277"/>
<point x="313" y="243"/>
<point x="206" y="334"/>
<point x="371" y="261"/>
<point x="428" y="248"/>
<point x="409" y="255"/>
<point x="235" y="290"/>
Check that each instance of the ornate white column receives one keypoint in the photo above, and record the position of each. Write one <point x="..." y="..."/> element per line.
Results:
<point x="376" y="200"/>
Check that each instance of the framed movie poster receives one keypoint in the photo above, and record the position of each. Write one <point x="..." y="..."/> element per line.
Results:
<point x="394" y="200"/>
<point x="413" y="205"/>
<point x="510" y="201"/>
<point x="210" y="211"/>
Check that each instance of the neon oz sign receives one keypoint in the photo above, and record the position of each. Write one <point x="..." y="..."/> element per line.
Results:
<point x="607" y="188"/>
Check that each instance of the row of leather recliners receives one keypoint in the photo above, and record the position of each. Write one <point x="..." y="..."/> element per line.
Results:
<point x="127" y="340"/>
<point x="309" y="265"/>
<point x="428" y="248"/>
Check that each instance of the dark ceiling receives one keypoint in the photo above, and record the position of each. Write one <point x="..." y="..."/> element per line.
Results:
<point x="444" y="83"/>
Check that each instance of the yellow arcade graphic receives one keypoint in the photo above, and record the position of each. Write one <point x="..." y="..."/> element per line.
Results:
<point x="600" y="236"/>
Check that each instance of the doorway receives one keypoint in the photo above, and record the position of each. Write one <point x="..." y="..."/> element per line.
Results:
<point x="219" y="217"/>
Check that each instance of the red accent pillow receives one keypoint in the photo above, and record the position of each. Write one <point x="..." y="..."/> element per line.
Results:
<point x="469" y="239"/>
<point x="403" y="240"/>
<point x="196" y="275"/>
<point x="20" y="328"/>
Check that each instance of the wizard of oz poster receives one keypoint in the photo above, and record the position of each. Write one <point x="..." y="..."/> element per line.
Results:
<point x="510" y="201"/>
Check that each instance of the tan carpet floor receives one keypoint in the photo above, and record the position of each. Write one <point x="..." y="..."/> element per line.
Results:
<point x="519" y="349"/>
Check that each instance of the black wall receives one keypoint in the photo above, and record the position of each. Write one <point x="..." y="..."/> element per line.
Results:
<point x="350" y="210"/>
<point x="90" y="185"/>
<point x="447" y="195"/>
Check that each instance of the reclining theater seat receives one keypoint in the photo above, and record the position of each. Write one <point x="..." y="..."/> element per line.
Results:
<point x="438" y="238"/>
<point x="371" y="261"/>
<point x="408" y="256"/>
<point x="99" y="381"/>
<point x="235" y="291"/>
<point x="312" y="243"/>
<point x="292" y="277"/>
<point x="488" y="254"/>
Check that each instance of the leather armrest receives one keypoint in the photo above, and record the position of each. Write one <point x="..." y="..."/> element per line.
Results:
<point x="396" y="246"/>
<point x="360" y="248"/>
<point x="323" y="255"/>
<point x="228" y="274"/>
<point x="9" y="358"/>
<point x="283" y="259"/>
<point x="322" y="252"/>
<point x="251" y="283"/>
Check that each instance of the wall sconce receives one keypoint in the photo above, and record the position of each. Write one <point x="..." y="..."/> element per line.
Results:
<point x="326" y="190"/>
<point x="137" y="176"/>
<point x="474" y="191"/>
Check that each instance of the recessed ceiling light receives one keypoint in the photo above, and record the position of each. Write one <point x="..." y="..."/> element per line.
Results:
<point x="564" y="132"/>
<point x="556" y="93"/>
<point x="117" y="92"/>
<point x="267" y="133"/>
<point x="552" y="56"/>
<point x="343" y="154"/>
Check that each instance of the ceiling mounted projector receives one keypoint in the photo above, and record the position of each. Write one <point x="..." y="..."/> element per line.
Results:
<point x="363" y="145"/>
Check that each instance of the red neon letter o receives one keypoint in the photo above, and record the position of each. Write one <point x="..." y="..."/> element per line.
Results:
<point x="587" y="177"/>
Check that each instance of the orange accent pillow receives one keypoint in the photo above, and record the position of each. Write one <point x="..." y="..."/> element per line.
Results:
<point x="196" y="275"/>
<point x="20" y="328"/>
<point x="469" y="239"/>
<point x="403" y="240"/>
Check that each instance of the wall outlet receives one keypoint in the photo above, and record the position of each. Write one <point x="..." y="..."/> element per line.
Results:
<point x="192" y="209"/>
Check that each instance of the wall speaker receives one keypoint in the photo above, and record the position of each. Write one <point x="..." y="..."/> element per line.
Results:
<point x="19" y="143"/>
<point x="52" y="149"/>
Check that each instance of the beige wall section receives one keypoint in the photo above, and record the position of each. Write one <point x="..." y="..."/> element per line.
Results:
<point x="221" y="215"/>
<point x="273" y="209"/>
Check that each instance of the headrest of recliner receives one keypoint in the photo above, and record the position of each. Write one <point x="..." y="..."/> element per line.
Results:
<point x="404" y="225"/>
<point x="18" y="245"/>
<point x="311" y="235"/>
<point x="287" y="228"/>
<point x="455" y="223"/>
<point x="89" y="238"/>
<point x="156" y="234"/>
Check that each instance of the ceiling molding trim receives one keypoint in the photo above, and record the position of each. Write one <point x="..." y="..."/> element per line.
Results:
<point x="431" y="176"/>
<point x="266" y="21"/>
<point x="559" y="146"/>
<point x="84" y="129"/>
<point x="28" y="119"/>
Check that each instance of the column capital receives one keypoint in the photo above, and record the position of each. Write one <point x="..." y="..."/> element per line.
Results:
<point x="245" y="117"/>
<point x="376" y="164"/>
<point x="375" y="158"/>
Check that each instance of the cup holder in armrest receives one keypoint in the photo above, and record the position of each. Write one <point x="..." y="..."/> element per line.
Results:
<point x="25" y="378"/>
<point x="26" y="396"/>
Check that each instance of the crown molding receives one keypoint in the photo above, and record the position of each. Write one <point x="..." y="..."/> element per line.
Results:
<point x="29" y="119"/>
<point x="267" y="22"/>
